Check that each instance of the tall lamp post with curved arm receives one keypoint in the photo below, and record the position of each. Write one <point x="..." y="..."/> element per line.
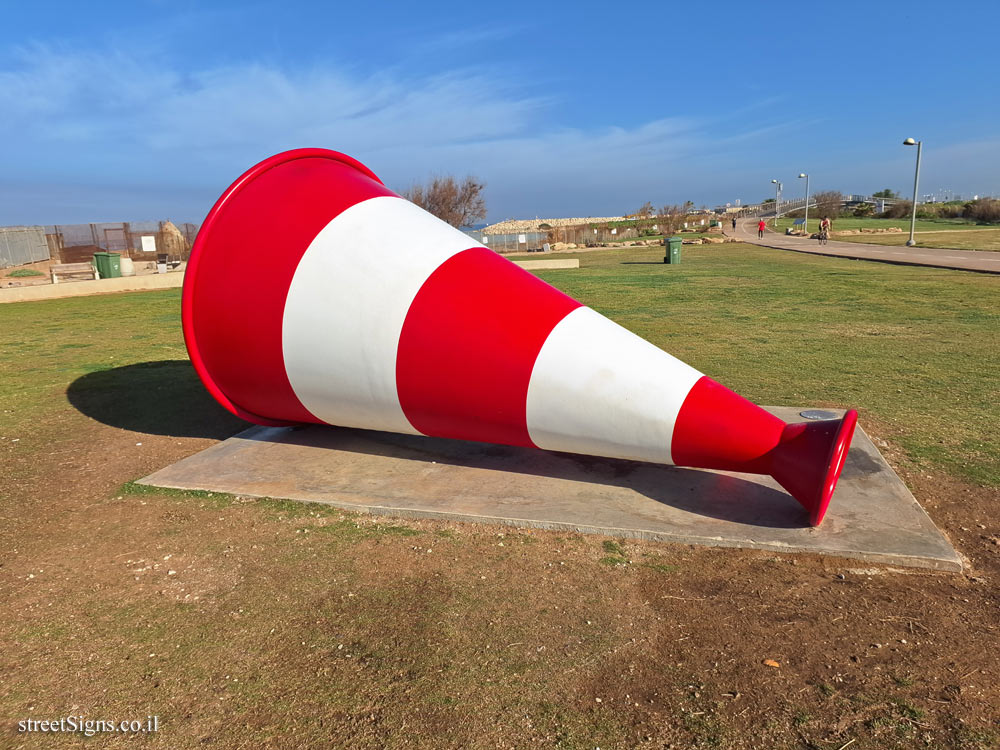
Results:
<point x="805" y="225"/>
<point x="916" y="180"/>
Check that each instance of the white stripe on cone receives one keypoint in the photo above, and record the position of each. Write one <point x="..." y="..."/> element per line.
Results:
<point x="347" y="303"/>
<point x="598" y="389"/>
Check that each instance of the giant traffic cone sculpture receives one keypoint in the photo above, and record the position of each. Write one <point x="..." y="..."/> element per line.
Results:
<point x="316" y="294"/>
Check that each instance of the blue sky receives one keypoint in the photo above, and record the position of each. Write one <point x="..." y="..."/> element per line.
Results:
<point x="150" y="108"/>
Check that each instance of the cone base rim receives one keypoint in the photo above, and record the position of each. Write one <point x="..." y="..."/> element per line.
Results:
<point x="834" y="465"/>
<point x="198" y="249"/>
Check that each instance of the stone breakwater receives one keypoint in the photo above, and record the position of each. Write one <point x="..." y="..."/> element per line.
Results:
<point x="531" y="225"/>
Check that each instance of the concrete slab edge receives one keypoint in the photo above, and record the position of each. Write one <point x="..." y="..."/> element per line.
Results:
<point x="943" y="564"/>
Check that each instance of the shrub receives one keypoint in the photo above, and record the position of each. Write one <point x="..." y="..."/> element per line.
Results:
<point x="898" y="210"/>
<point x="984" y="210"/>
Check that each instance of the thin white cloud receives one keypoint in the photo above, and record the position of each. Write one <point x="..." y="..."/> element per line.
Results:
<point x="122" y="118"/>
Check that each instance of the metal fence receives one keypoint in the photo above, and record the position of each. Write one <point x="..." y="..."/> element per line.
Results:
<point x="141" y="240"/>
<point x="20" y="245"/>
<point x="590" y="235"/>
<point x="524" y="242"/>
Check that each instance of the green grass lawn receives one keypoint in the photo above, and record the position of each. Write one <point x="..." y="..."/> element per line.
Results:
<point x="923" y="225"/>
<point x="913" y="347"/>
<point x="983" y="239"/>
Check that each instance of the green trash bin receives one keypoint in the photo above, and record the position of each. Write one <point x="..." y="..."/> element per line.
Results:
<point x="673" y="250"/>
<point x="115" y="265"/>
<point x="109" y="265"/>
<point x="103" y="264"/>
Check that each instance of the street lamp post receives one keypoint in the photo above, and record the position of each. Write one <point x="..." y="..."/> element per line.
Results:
<point x="916" y="181"/>
<point x="777" y="202"/>
<point x="806" y="222"/>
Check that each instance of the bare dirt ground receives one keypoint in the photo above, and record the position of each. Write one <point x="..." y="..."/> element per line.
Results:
<point x="258" y="624"/>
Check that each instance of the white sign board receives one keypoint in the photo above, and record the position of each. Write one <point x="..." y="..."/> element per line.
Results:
<point x="614" y="231"/>
<point x="522" y="239"/>
<point x="148" y="243"/>
<point x="486" y="240"/>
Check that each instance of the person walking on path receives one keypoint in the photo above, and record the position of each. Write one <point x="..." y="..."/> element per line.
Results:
<point x="734" y="223"/>
<point x="824" y="230"/>
<point x="761" y="226"/>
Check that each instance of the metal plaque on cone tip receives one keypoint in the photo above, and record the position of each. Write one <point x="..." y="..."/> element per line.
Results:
<point x="372" y="313"/>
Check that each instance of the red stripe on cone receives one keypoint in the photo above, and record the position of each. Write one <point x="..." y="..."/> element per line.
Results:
<point x="718" y="429"/>
<point x="468" y="345"/>
<point x="239" y="287"/>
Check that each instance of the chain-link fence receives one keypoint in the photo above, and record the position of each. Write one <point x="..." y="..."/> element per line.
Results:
<point x="21" y="245"/>
<point x="523" y="242"/>
<point x="140" y="240"/>
<point x="590" y="235"/>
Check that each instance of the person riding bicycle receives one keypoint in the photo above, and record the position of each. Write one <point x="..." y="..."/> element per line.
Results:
<point x="824" y="230"/>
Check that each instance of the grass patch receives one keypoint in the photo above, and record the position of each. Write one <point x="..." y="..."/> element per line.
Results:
<point x="613" y="548"/>
<point x="613" y="561"/>
<point x="220" y="499"/>
<point x="852" y="222"/>
<point x="24" y="273"/>
<point x="909" y="711"/>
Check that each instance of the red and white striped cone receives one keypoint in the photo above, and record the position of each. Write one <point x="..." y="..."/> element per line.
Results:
<point x="316" y="294"/>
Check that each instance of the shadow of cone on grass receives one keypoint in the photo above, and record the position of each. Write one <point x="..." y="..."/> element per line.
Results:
<point x="157" y="398"/>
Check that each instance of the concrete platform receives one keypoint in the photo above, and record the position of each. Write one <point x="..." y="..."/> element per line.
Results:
<point x="872" y="516"/>
<point x="533" y="265"/>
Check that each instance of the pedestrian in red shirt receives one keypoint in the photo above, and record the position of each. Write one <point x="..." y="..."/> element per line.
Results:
<point x="760" y="228"/>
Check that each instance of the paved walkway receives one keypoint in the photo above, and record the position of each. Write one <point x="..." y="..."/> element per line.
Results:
<point x="983" y="261"/>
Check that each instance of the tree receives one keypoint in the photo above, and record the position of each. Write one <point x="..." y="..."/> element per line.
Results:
<point x="887" y="193"/>
<point x="461" y="204"/>
<point x="670" y="219"/>
<point x="643" y="218"/>
<point x="828" y="203"/>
